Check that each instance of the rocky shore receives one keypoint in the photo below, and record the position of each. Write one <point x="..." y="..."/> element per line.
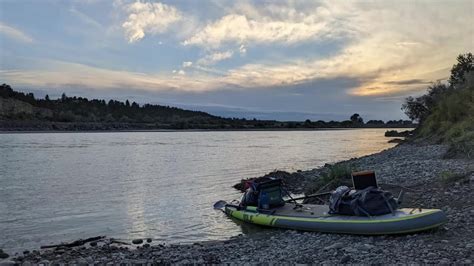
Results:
<point x="430" y="181"/>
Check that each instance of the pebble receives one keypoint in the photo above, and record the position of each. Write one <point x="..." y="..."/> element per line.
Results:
<point x="337" y="245"/>
<point x="345" y="259"/>
<point x="137" y="241"/>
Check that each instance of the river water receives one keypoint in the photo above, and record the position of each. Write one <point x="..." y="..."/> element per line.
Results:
<point x="64" y="186"/>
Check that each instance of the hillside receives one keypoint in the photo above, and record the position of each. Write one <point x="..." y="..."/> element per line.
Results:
<point x="452" y="121"/>
<point x="22" y="111"/>
<point x="446" y="112"/>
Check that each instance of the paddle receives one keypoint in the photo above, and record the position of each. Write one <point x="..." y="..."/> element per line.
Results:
<point x="219" y="205"/>
<point x="310" y="196"/>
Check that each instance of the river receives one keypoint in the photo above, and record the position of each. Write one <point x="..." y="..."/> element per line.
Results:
<point x="65" y="186"/>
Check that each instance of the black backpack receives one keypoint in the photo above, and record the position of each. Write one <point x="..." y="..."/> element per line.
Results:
<point x="370" y="201"/>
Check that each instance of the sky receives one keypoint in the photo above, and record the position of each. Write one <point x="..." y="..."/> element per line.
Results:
<point x="284" y="60"/>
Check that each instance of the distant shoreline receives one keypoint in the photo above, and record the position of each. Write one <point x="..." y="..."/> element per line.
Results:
<point x="190" y="130"/>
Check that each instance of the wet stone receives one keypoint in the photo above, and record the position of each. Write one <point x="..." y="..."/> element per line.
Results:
<point x="137" y="241"/>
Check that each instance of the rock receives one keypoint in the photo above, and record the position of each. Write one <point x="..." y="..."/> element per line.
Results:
<point x="149" y="240"/>
<point x="44" y="262"/>
<point x="369" y="246"/>
<point x="7" y="262"/>
<point x="394" y="133"/>
<point x="3" y="255"/>
<point x="444" y="261"/>
<point x="93" y="244"/>
<point x="26" y="252"/>
<point x="345" y="259"/>
<point x="137" y="241"/>
<point x="336" y="245"/>
<point x="431" y="255"/>
<point x="146" y="245"/>
<point x="396" y="140"/>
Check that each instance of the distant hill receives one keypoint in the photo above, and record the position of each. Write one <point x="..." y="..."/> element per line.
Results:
<point x="22" y="111"/>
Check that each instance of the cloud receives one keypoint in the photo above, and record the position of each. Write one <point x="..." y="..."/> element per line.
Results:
<point x="14" y="33"/>
<point x="151" y="18"/>
<point x="389" y="48"/>
<point x="241" y="29"/>
<point x="213" y="58"/>
<point x="187" y="64"/>
<point x="85" y="18"/>
<point x="408" y="82"/>
<point x="242" y="49"/>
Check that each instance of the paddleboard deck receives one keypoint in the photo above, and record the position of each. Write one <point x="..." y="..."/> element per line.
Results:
<point x="311" y="217"/>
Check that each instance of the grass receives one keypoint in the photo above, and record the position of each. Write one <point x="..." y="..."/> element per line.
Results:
<point x="337" y="175"/>
<point x="450" y="177"/>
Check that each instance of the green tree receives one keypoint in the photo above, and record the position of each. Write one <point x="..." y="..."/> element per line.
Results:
<point x="419" y="108"/>
<point x="465" y="64"/>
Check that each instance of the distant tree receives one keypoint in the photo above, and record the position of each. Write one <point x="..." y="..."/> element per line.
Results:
<point x="375" y="122"/>
<point x="46" y="97"/>
<point x="465" y="64"/>
<point x="63" y="97"/>
<point x="415" y="109"/>
<point x="345" y="123"/>
<point x="127" y="103"/>
<point x="357" y="119"/>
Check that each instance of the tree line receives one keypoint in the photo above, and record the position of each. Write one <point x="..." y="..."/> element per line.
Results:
<point x="132" y="115"/>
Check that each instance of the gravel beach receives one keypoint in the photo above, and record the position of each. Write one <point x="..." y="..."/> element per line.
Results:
<point x="429" y="181"/>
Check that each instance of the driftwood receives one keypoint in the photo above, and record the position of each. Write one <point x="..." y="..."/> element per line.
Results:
<point x="76" y="243"/>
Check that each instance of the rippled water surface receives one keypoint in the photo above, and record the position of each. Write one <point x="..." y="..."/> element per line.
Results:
<point x="63" y="186"/>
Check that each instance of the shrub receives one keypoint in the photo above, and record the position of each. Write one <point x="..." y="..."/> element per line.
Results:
<point x="336" y="175"/>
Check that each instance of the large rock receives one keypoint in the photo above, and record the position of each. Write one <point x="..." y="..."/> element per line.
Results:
<point x="394" y="133"/>
<point x="137" y="241"/>
<point x="3" y="255"/>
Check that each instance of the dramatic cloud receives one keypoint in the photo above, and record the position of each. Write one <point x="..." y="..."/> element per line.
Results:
<point x="383" y="50"/>
<point x="241" y="29"/>
<point x="14" y="33"/>
<point x="148" y="18"/>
